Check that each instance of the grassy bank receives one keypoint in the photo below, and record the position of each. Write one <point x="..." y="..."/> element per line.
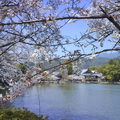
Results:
<point x="17" y="114"/>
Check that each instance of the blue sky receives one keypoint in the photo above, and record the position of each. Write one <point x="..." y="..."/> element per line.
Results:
<point x="74" y="30"/>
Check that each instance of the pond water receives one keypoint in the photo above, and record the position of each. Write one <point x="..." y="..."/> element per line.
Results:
<point x="73" y="101"/>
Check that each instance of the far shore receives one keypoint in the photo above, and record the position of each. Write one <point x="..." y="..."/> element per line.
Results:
<point x="77" y="81"/>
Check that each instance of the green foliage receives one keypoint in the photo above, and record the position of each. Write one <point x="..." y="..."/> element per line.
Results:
<point x="111" y="71"/>
<point x="69" y="67"/>
<point x="3" y="91"/>
<point x="114" y="62"/>
<point x="22" y="67"/>
<point x="93" y="68"/>
<point x="62" y="73"/>
<point x="16" y="114"/>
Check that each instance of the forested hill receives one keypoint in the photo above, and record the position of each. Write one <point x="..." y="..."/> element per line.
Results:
<point x="100" y="59"/>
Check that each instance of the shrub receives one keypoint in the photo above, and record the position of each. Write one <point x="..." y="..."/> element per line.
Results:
<point x="17" y="114"/>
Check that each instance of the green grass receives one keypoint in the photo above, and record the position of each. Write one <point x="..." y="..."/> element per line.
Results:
<point x="18" y="114"/>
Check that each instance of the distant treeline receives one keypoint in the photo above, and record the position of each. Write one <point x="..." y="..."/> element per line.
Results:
<point x="111" y="70"/>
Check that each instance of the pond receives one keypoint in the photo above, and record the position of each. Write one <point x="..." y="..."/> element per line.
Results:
<point x="73" y="101"/>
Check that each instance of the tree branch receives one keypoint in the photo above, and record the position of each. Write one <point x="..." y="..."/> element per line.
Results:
<point x="49" y="20"/>
<point x="110" y="18"/>
<point x="75" y="59"/>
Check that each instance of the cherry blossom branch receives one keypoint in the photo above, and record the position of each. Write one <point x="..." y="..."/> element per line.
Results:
<point x="75" y="59"/>
<point x="11" y="45"/>
<point x="55" y="19"/>
<point x="85" y="55"/>
<point x="111" y="19"/>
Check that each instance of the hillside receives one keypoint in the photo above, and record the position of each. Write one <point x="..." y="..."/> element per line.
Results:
<point x="98" y="61"/>
<point x="101" y="59"/>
